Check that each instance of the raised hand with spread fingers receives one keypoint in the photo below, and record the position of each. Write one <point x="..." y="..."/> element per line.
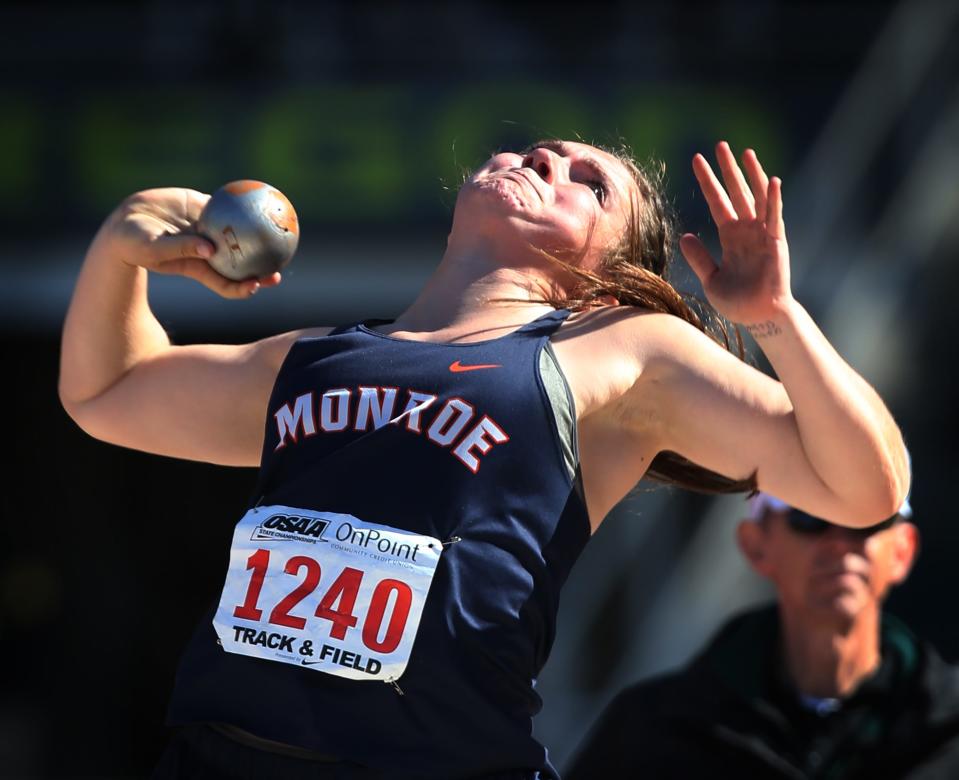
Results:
<point x="750" y="285"/>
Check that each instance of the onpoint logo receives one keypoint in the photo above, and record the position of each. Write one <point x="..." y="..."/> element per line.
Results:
<point x="383" y="543"/>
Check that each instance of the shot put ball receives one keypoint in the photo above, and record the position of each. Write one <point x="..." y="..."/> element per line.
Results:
<point x="253" y="226"/>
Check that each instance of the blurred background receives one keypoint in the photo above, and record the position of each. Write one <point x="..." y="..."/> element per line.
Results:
<point x="366" y="115"/>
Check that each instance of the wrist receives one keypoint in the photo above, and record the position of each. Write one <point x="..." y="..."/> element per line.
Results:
<point x="780" y="317"/>
<point x="107" y="246"/>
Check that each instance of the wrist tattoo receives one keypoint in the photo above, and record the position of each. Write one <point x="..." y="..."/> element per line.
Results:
<point x="762" y="330"/>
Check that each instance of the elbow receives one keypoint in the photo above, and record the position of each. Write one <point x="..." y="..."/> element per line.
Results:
<point x="890" y="490"/>
<point x="81" y="413"/>
<point x="877" y="498"/>
<point x="76" y="412"/>
<point x="901" y="468"/>
<point x="70" y="405"/>
<point x="893" y="501"/>
<point x="897" y="471"/>
<point x="864" y="514"/>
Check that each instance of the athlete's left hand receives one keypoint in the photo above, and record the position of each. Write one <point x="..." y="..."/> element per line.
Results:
<point x="751" y="284"/>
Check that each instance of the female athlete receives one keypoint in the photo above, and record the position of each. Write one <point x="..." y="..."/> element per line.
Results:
<point x="426" y="484"/>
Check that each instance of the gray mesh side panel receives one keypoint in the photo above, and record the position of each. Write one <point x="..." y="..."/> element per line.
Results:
<point x="561" y="399"/>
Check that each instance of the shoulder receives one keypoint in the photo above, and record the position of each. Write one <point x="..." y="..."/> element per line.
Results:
<point x="646" y="730"/>
<point x="730" y="665"/>
<point x="938" y="678"/>
<point x="602" y="350"/>
<point x="605" y="351"/>
<point x="648" y="697"/>
<point x="640" y="336"/>
<point x="604" y="323"/>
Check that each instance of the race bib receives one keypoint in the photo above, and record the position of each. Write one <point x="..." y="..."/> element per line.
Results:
<point x="325" y="591"/>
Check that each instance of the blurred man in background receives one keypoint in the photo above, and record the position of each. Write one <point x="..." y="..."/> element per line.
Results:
<point x="822" y="685"/>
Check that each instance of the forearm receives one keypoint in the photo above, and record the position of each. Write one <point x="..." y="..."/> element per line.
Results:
<point x="109" y="326"/>
<point x="848" y="435"/>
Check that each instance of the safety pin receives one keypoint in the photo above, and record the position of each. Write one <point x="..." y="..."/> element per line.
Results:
<point x="447" y="543"/>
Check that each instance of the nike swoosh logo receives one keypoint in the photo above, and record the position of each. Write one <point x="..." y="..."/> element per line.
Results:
<point x="457" y="368"/>
<point x="304" y="662"/>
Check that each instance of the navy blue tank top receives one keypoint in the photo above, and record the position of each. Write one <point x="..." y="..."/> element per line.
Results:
<point x="481" y="467"/>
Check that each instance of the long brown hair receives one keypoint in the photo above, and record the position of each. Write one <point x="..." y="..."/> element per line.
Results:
<point x="636" y="273"/>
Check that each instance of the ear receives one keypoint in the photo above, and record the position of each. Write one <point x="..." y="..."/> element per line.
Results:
<point x="607" y="300"/>
<point x="751" y="538"/>
<point x="904" y="551"/>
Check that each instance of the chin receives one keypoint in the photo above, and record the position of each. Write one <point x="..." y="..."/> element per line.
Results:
<point x="839" y="604"/>
<point x="502" y="208"/>
<point x="841" y="611"/>
<point x="848" y="606"/>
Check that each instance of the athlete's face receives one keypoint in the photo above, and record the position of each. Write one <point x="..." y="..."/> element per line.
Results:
<point x="832" y="576"/>
<point x="569" y="199"/>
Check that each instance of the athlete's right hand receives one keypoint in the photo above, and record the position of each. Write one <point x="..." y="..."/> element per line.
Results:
<point x="155" y="229"/>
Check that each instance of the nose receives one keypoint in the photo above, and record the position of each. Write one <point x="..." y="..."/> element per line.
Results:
<point x="544" y="162"/>
<point x="842" y="540"/>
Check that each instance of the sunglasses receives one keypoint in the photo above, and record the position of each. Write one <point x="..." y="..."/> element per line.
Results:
<point x="806" y="524"/>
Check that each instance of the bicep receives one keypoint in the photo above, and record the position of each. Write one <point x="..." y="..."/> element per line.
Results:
<point x="203" y="402"/>
<point x="727" y="416"/>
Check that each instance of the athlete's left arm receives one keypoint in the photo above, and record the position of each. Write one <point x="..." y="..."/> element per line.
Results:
<point x="821" y="438"/>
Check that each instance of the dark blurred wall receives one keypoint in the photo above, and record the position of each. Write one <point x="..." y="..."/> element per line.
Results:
<point x="364" y="111"/>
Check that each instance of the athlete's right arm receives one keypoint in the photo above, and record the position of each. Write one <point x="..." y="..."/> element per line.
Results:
<point x="123" y="381"/>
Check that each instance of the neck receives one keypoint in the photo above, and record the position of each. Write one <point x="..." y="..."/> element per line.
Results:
<point x="472" y="291"/>
<point x="824" y="659"/>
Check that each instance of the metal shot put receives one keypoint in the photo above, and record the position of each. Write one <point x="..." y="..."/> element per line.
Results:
<point x="253" y="226"/>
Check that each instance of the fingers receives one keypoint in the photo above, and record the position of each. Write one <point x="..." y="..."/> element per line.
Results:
<point x="740" y="199"/>
<point x="775" y="227"/>
<point x="186" y="255"/>
<point x="177" y="206"/>
<point x="739" y="193"/>
<point x="758" y="181"/>
<point x="200" y="270"/>
<point x="182" y="245"/>
<point x="228" y="288"/>
<point x="719" y="204"/>
<point x="194" y="203"/>
<point x="270" y="281"/>
<point x="698" y="257"/>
